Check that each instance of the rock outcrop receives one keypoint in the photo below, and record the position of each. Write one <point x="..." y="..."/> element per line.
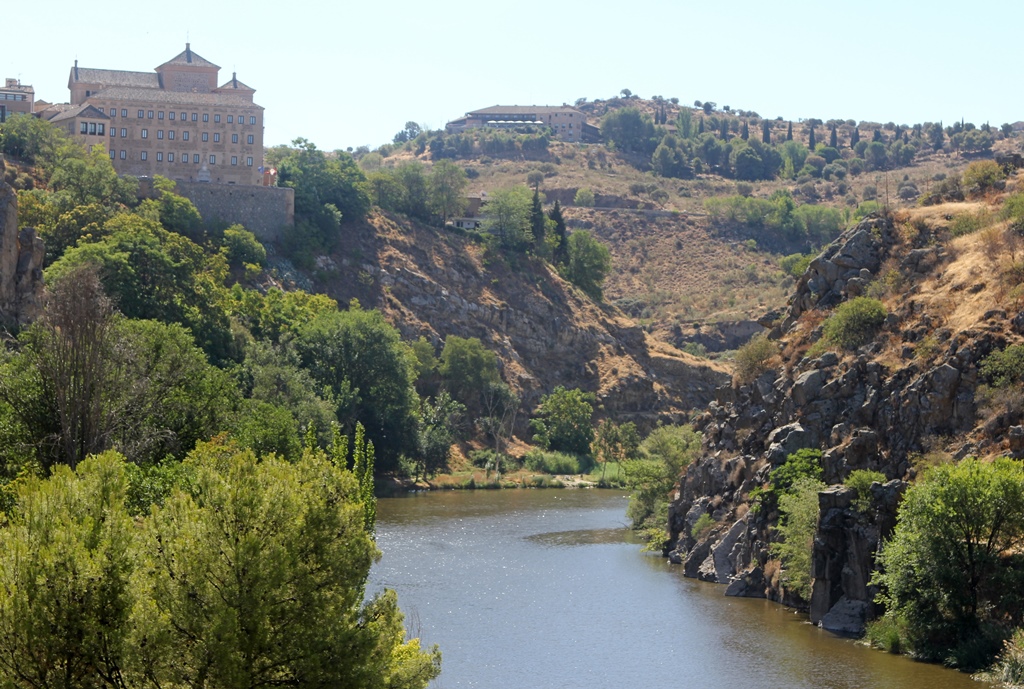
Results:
<point x="863" y="410"/>
<point x="21" y="262"/>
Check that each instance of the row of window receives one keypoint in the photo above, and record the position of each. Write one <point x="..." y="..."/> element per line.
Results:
<point x="148" y="114"/>
<point x="22" y="96"/>
<point x="96" y="128"/>
<point x="196" y="158"/>
<point x="251" y="139"/>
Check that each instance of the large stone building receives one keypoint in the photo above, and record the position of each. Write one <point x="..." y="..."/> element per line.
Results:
<point x="175" y="121"/>
<point x="566" y="122"/>
<point x="16" y="98"/>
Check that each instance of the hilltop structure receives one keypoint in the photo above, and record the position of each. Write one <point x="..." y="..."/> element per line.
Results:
<point x="175" y="121"/>
<point x="16" y="98"/>
<point x="567" y="123"/>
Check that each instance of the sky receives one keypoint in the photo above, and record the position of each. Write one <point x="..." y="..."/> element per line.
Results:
<point x="344" y="74"/>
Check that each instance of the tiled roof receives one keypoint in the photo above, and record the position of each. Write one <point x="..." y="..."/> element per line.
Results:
<point x="522" y="110"/>
<point x="115" y="77"/>
<point x="173" y="97"/>
<point x="190" y="58"/>
<point x="234" y="83"/>
<point x="84" y="110"/>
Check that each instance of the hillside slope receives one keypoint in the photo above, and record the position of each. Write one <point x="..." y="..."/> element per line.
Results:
<point x="909" y="398"/>
<point x="434" y="283"/>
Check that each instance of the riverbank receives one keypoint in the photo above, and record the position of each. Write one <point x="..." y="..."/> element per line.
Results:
<point x="482" y="480"/>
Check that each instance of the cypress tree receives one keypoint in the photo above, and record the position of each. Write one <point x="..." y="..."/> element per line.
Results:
<point x="700" y="126"/>
<point x="537" y="221"/>
<point x="766" y="133"/>
<point x="724" y="133"/>
<point x="854" y="137"/>
<point x="811" y="143"/>
<point x="746" y="131"/>
<point x="833" y="139"/>
<point x="561" y="253"/>
<point x="877" y="136"/>
<point x="789" y="132"/>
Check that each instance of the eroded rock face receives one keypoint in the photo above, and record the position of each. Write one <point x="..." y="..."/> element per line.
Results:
<point x="861" y="412"/>
<point x="21" y="263"/>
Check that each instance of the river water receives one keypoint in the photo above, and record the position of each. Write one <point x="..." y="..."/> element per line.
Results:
<point x="544" y="589"/>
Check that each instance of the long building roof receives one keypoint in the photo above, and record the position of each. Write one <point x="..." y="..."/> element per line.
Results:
<point x="116" y="77"/>
<point x="522" y="110"/>
<point x="173" y="97"/>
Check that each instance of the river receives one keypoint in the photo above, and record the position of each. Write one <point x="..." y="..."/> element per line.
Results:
<point x="544" y="589"/>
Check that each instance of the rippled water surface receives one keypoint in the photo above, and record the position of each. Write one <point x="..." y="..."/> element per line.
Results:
<point x="543" y="589"/>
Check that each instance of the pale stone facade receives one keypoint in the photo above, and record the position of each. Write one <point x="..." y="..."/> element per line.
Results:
<point x="176" y="121"/>
<point x="566" y="122"/>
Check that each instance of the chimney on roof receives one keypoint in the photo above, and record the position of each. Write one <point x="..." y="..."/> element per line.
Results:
<point x="234" y="79"/>
<point x="188" y="53"/>
<point x="76" y="70"/>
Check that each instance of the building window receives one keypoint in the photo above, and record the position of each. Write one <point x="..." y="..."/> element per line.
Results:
<point x="100" y="129"/>
<point x="216" y="118"/>
<point x="145" y="133"/>
<point x="113" y="131"/>
<point x="159" y="157"/>
<point x="252" y="120"/>
<point x="231" y="119"/>
<point x="195" y="158"/>
<point x="184" y="136"/>
<point x="160" y="134"/>
<point x="124" y="112"/>
<point x="241" y="119"/>
<point x="195" y="117"/>
<point x="234" y="160"/>
<point x="124" y="133"/>
<point x="206" y="117"/>
<point x="170" y="157"/>
<point x="170" y="115"/>
<point x="160" y="115"/>
<point x="143" y="155"/>
<point x="213" y="160"/>
<point x="250" y="139"/>
<point x="248" y="161"/>
<point x="87" y="94"/>
<point x="170" y="134"/>
<point x="206" y="136"/>
<point x="92" y="128"/>
<point x="234" y="138"/>
<point x="84" y="128"/>
<point x="141" y="113"/>
<point x="112" y="154"/>
<point x="122" y="154"/>
<point x="216" y="137"/>
<point x="149" y="115"/>
<point x="184" y="116"/>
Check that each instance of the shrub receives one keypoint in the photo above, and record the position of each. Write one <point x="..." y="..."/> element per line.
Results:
<point x="242" y="247"/>
<point x="861" y="480"/>
<point x="796" y="264"/>
<point x="584" y="197"/>
<point x="968" y="223"/>
<point x="754" y="358"/>
<point x="854" y="323"/>
<point x="552" y="462"/>
<point x="886" y="633"/>
<point x="1004" y="367"/>
<point x="798" y="508"/>
<point x="702" y="526"/>
<point x="983" y="175"/>
<point x="1009" y="669"/>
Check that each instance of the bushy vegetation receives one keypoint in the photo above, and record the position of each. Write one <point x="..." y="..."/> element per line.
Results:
<point x="664" y="455"/>
<point x="563" y="421"/>
<point x="854" y="323"/>
<point x="951" y="573"/>
<point x="777" y="219"/>
<point x="860" y="480"/>
<point x="755" y="357"/>
<point x="550" y="462"/>
<point x="798" y="520"/>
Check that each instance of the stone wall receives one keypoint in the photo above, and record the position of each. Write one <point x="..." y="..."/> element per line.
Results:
<point x="265" y="211"/>
<point x="21" y="263"/>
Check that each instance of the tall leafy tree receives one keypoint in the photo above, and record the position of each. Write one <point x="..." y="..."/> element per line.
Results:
<point x="811" y="143"/>
<point x="564" y="421"/>
<point x="447" y="186"/>
<point x="833" y="139"/>
<point x="789" y="132"/>
<point x="507" y="214"/>
<point x="589" y="263"/>
<point x="560" y="238"/>
<point x="538" y="222"/>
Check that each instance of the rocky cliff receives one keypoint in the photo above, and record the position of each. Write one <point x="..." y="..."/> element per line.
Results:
<point x="21" y="262"/>
<point x="435" y="283"/>
<point x="910" y="391"/>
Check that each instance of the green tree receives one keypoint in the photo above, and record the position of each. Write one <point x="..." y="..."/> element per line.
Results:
<point x="766" y="132"/>
<point x="589" y="263"/>
<point x="952" y="568"/>
<point x="242" y="247"/>
<point x="854" y="322"/>
<point x="629" y="130"/>
<point x="664" y="455"/>
<point x="559" y="237"/>
<point x="416" y="196"/>
<point x="507" y="217"/>
<point x="368" y="372"/>
<point x="616" y="443"/>
<point x="584" y="197"/>
<point x="798" y="510"/>
<point x="789" y="132"/>
<point x="833" y="138"/>
<point x="563" y="422"/>
<point x="467" y="369"/>
<point x="447" y="185"/>
<point x="440" y="421"/>
<point x="538" y="223"/>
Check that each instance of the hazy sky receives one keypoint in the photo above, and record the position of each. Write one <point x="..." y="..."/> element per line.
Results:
<point x="351" y="73"/>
